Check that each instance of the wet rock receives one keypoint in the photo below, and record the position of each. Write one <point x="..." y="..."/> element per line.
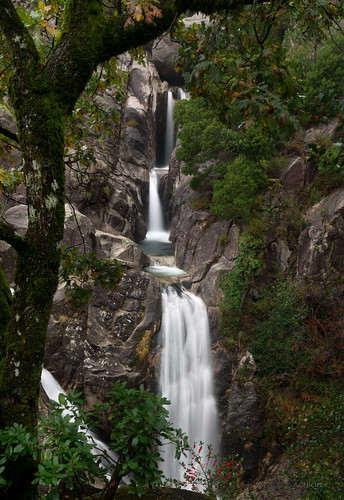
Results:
<point x="97" y="344"/>
<point x="164" y="55"/>
<point x="245" y="418"/>
<point x="321" y="243"/>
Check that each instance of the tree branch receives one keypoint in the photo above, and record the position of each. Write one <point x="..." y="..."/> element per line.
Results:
<point x="9" y="234"/>
<point x="210" y="6"/>
<point x="20" y="43"/>
<point x="90" y="37"/>
<point x="10" y="135"/>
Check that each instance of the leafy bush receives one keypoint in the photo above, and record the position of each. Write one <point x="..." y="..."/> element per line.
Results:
<point x="65" y="452"/>
<point x="323" y="76"/>
<point x="207" y="145"/>
<point x="276" y="342"/>
<point x="330" y="160"/>
<point x="139" y="425"/>
<point x="234" y="195"/>
<point x="316" y="455"/>
<point x="67" y="456"/>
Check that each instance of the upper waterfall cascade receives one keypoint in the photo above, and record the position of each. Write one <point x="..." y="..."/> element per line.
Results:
<point x="169" y="130"/>
<point x="156" y="228"/>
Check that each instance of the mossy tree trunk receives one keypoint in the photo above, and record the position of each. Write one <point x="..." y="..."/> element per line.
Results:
<point x="43" y="94"/>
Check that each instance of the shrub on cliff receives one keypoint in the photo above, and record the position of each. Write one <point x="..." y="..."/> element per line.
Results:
<point x="276" y="342"/>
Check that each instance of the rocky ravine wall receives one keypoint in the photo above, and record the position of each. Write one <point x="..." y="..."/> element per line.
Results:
<point x="114" y="336"/>
<point x="89" y="347"/>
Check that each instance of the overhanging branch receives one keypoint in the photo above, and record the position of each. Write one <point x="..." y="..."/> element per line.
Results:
<point x="9" y="234"/>
<point x="90" y="37"/>
<point x="10" y="135"/>
<point x="20" y="43"/>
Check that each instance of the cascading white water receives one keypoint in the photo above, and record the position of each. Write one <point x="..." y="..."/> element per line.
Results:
<point x="155" y="219"/>
<point x="181" y="94"/>
<point x="169" y="134"/>
<point x="157" y="238"/>
<point x="186" y="374"/>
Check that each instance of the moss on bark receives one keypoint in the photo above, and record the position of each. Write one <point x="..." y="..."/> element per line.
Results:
<point x="5" y="313"/>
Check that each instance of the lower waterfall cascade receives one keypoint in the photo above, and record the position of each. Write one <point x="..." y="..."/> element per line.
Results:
<point x="186" y="378"/>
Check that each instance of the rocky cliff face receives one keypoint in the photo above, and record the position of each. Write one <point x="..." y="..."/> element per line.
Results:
<point x="114" y="335"/>
<point x="110" y="337"/>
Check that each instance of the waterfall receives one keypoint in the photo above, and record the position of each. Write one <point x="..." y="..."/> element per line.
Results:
<point x="186" y="378"/>
<point x="155" y="220"/>
<point x="169" y="130"/>
<point x="157" y="238"/>
<point x="186" y="373"/>
<point x="181" y="94"/>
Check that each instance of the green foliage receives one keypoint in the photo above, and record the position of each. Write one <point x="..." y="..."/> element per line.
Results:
<point x="324" y="80"/>
<point x="239" y="59"/>
<point x="228" y="160"/>
<point x="9" y="179"/>
<point x="234" y="195"/>
<point x="65" y="452"/>
<point x="78" y="269"/>
<point x="316" y="455"/>
<point x="316" y="59"/>
<point x="139" y="422"/>
<point x="236" y="283"/>
<point x="276" y="341"/>
<point x="198" y="145"/>
<point x="330" y="161"/>
<point x="15" y="442"/>
<point x="68" y="458"/>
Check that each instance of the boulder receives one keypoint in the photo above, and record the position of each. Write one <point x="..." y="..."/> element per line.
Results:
<point x="164" y="55"/>
<point x="321" y="243"/>
<point x="109" y="246"/>
<point x="321" y="131"/>
<point x="245" y="418"/>
<point x="100" y="342"/>
<point x="295" y="175"/>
